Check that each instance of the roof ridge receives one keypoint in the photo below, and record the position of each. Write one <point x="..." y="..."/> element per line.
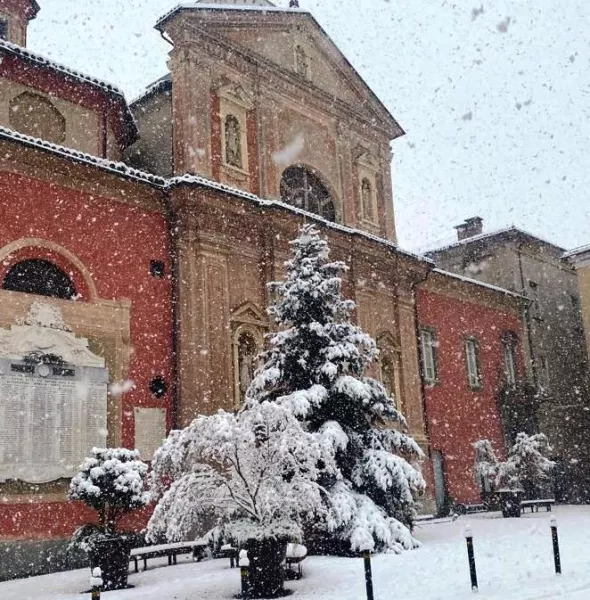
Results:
<point x="48" y="62"/>
<point x="490" y="286"/>
<point x="212" y="6"/>
<point x="490" y="234"/>
<point x="104" y="163"/>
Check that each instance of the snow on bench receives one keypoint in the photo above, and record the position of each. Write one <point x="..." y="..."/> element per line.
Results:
<point x="172" y="551"/>
<point x="534" y="504"/>
<point x="228" y="551"/>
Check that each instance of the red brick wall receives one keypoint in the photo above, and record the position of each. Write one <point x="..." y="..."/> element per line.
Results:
<point x="458" y="416"/>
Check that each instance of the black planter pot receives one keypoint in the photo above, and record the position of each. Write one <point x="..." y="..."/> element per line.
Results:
<point x="112" y="555"/>
<point x="509" y="501"/>
<point x="266" y="572"/>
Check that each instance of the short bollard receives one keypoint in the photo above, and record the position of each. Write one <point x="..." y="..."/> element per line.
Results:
<point x="555" y="539"/>
<point x="96" y="583"/>
<point x="368" y="574"/>
<point x="244" y="564"/>
<point x="471" y="556"/>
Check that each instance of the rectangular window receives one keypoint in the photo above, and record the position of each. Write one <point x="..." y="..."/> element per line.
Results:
<point x="3" y="29"/>
<point x="428" y="355"/>
<point x="509" y="362"/>
<point x="472" y="356"/>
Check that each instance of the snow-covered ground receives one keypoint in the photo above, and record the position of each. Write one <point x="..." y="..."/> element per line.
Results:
<point x="514" y="562"/>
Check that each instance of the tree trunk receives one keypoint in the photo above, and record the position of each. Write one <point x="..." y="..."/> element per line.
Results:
<point x="267" y="573"/>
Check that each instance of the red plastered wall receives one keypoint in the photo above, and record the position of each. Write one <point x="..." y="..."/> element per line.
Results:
<point x="115" y="242"/>
<point x="458" y="416"/>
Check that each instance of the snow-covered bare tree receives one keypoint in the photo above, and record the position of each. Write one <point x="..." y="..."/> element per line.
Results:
<point x="527" y="465"/>
<point x="315" y="365"/>
<point x="485" y="465"/>
<point x="254" y="473"/>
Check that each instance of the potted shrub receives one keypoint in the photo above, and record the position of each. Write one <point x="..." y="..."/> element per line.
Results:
<point x="112" y="482"/>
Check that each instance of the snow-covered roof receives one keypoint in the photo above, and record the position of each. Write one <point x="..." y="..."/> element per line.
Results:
<point x="488" y="286"/>
<point x="165" y="82"/>
<point x="47" y="62"/>
<point x="125" y="170"/>
<point x="227" y="5"/>
<point x="489" y="235"/>
<point x="82" y="157"/>
<point x="209" y="183"/>
<point x="43" y="61"/>
<point x="577" y="251"/>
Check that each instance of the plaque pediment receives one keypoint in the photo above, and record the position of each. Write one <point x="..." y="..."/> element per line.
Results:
<point x="44" y="332"/>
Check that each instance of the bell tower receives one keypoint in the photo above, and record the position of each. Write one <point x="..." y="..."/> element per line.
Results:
<point x="14" y="19"/>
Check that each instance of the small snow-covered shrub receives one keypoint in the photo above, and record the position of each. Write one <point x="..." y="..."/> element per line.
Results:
<point x="113" y="482"/>
<point x="527" y="465"/>
<point x="486" y="465"/>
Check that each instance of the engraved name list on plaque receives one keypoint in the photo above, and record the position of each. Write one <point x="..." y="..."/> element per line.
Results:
<point x="53" y="398"/>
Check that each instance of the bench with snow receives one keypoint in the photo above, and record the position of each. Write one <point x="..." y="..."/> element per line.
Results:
<point x="228" y="551"/>
<point x="172" y="551"/>
<point x="466" y="509"/>
<point x="295" y="555"/>
<point x="535" y="504"/>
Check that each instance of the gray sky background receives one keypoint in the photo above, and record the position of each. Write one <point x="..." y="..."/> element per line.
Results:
<point x="495" y="102"/>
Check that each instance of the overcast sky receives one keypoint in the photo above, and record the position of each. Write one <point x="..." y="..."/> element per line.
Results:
<point x="494" y="97"/>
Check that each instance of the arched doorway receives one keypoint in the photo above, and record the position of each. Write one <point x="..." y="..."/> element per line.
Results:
<point x="301" y="187"/>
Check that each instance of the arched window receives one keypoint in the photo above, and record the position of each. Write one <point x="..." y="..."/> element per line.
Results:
<point x="302" y="188"/>
<point x="247" y="353"/>
<point x="233" y="142"/>
<point x="301" y="62"/>
<point x="36" y="116"/>
<point x="41" y="277"/>
<point x="367" y="199"/>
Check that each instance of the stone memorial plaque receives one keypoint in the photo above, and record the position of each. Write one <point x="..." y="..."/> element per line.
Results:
<point x="150" y="430"/>
<point x="50" y="418"/>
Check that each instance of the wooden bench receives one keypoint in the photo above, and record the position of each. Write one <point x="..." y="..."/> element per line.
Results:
<point x="535" y="504"/>
<point x="296" y="554"/>
<point x="172" y="551"/>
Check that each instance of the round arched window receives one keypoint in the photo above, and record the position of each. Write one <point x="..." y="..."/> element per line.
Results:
<point x="41" y="277"/>
<point x="302" y="188"/>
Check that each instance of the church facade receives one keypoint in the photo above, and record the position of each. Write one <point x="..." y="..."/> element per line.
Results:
<point x="154" y="229"/>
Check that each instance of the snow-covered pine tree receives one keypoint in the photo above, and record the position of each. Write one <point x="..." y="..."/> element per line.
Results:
<point x="527" y="465"/>
<point x="315" y="364"/>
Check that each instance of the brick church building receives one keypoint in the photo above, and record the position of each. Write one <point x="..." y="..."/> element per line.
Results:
<point x="153" y="230"/>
